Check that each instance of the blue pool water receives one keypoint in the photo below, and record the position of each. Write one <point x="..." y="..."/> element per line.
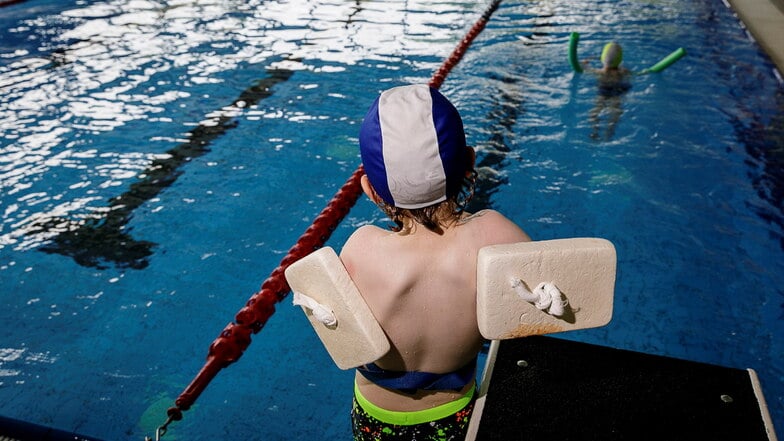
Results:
<point x="159" y="158"/>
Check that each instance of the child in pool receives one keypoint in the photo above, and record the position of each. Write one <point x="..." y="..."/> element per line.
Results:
<point x="612" y="83"/>
<point x="419" y="278"/>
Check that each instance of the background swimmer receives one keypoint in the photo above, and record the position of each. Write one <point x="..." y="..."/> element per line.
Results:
<point x="613" y="81"/>
<point x="612" y="84"/>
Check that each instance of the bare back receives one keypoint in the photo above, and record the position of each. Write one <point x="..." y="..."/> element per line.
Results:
<point x="421" y="287"/>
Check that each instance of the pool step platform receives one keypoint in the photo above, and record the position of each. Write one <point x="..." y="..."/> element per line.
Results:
<point x="542" y="388"/>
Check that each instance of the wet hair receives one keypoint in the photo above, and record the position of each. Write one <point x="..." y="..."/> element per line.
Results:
<point x="434" y="217"/>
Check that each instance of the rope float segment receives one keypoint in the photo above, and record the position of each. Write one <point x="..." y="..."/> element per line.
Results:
<point x="457" y="54"/>
<point x="9" y="2"/>
<point x="236" y="336"/>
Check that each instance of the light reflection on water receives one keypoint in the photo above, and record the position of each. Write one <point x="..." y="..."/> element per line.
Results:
<point x="139" y="120"/>
<point x="96" y="95"/>
<point x="118" y="62"/>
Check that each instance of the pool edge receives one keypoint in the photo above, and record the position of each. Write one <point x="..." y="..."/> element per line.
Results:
<point x="764" y="20"/>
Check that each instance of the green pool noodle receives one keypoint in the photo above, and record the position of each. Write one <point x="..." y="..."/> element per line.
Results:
<point x="574" y="38"/>
<point x="667" y="61"/>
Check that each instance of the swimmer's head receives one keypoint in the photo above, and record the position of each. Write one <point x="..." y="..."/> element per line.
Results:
<point x="612" y="55"/>
<point x="413" y="147"/>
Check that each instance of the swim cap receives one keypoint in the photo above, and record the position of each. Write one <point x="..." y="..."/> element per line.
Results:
<point x="612" y="55"/>
<point x="413" y="147"/>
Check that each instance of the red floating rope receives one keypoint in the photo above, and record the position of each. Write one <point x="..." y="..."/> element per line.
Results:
<point x="9" y="2"/>
<point x="235" y="338"/>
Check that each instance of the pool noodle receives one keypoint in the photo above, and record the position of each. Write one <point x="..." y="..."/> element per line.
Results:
<point x="574" y="38"/>
<point x="666" y="61"/>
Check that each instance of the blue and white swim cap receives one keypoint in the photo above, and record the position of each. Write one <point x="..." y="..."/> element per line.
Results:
<point x="413" y="147"/>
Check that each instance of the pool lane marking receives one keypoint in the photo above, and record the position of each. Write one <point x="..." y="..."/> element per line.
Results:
<point x="97" y="241"/>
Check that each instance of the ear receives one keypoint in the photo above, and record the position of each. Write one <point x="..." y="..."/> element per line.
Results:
<point x="367" y="188"/>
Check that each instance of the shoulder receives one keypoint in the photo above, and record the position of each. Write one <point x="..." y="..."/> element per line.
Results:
<point x="361" y="240"/>
<point x="486" y="216"/>
<point x="492" y="227"/>
<point x="367" y="232"/>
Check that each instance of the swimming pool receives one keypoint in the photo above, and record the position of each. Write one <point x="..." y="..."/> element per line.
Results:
<point x="158" y="160"/>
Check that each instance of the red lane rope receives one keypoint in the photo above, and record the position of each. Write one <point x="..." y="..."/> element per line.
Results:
<point x="9" y="2"/>
<point x="235" y="338"/>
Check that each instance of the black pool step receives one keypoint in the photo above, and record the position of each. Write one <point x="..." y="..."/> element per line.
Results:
<point x="544" y="388"/>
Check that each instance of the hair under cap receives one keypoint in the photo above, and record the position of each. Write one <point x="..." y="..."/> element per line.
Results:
<point x="413" y="147"/>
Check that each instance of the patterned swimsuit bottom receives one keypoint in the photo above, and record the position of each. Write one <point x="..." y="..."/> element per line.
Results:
<point x="448" y="422"/>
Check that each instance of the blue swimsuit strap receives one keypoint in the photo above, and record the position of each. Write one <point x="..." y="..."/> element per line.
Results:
<point x="410" y="381"/>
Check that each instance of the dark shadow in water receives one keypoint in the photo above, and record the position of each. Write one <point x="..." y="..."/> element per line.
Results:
<point x="96" y="241"/>
<point x="507" y="103"/>
<point x="763" y="141"/>
<point x="506" y="107"/>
